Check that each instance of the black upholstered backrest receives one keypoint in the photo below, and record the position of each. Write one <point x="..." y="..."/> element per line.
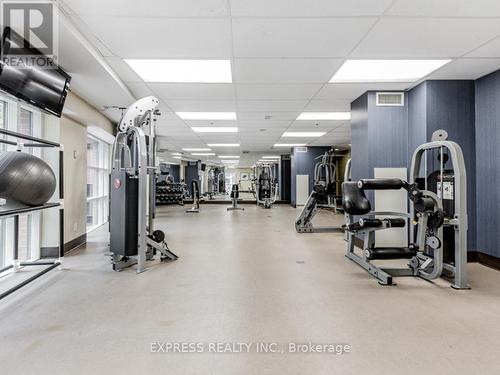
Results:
<point x="354" y="200"/>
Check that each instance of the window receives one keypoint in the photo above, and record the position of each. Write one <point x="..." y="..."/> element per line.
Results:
<point x="2" y="221"/>
<point x="97" y="182"/>
<point x="17" y="118"/>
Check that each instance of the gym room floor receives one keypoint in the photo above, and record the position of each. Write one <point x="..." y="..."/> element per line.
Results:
<point x="246" y="277"/>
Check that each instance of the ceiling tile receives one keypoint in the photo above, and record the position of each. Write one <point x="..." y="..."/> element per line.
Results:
<point x="201" y="105"/>
<point x="163" y="37"/>
<point x="193" y="91"/>
<point x="260" y="116"/>
<point x="325" y="105"/>
<point x="491" y="49"/>
<point x="153" y="8"/>
<point x="276" y="92"/>
<point x="307" y="8"/>
<point x="271" y="105"/>
<point x="466" y="69"/>
<point x="262" y="124"/>
<point x="270" y="71"/>
<point x="446" y="8"/>
<point x="208" y="123"/>
<point x="298" y="37"/>
<point x="426" y="37"/>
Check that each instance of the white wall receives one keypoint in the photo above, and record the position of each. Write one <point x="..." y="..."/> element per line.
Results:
<point x="77" y="116"/>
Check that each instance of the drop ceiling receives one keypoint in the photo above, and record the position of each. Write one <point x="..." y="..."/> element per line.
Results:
<point x="282" y="53"/>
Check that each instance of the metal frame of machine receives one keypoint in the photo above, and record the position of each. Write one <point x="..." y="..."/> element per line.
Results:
<point x="328" y="163"/>
<point x="426" y="253"/>
<point x="273" y="194"/>
<point x="235" y="193"/>
<point x="133" y="159"/>
<point x="195" y="209"/>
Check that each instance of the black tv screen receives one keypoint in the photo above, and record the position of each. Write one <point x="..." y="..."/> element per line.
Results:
<point x="44" y="87"/>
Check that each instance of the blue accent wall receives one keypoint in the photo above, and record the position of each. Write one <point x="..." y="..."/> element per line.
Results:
<point x="191" y="174"/>
<point x="451" y="106"/>
<point x="487" y="137"/>
<point x="417" y="118"/>
<point x="386" y="137"/>
<point x="387" y="134"/>
<point x="303" y="163"/>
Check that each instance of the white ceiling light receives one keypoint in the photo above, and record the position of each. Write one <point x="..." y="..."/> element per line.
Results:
<point x="271" y="157"/>
<point x="203" y="153"/>
<point x="176" y="153"/>
<point x="324" y="116"/>
<point x="267" y="161"/>
<point x="176" y="157"/>
<point x="230" y="161"/>
<point x="289" y="144"/>
<point x="188" y="71"/>
<point x="385" y="70"/>
<point x="207" y="115"/>
<point x="197" y="149"/>
<point x="215" y="129"/>
<point x="228" y="157"/>
<point x="224" y="145"/>
<point x="303" y="134"/>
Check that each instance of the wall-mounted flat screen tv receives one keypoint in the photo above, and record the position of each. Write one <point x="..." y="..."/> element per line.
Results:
<point x="42" y="86"/>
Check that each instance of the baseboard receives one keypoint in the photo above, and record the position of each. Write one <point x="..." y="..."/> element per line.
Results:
<point x="49" y="252"/>
<point x="74" y="243"/>
<point x="53" y="251"/>
<point x="485" y="259"/>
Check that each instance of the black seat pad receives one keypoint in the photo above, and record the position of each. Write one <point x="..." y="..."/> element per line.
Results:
<point x="391" y="253"/>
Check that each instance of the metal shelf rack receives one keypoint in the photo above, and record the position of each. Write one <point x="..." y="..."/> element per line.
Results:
<point x="15" y="211"/>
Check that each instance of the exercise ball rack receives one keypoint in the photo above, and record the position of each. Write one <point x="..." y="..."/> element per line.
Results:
<point x="7" y="212"/>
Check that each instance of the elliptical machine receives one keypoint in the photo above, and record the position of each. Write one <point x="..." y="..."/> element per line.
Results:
<point x="266" y="186"/>
<point x="133" y="239"/>
<point x="235" y="194"/>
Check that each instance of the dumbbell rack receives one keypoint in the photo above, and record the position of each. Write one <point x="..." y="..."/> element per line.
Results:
<point x="170" y="193"/>
<point x="14" y="212"/>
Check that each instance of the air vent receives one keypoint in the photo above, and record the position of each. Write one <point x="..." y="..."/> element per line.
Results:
<point x="245" y="152"/>
<point x="391" y="99"/>
<point x="300" y="149"/>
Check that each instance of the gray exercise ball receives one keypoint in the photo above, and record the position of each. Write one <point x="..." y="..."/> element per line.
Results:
<point x="25" y="178"/>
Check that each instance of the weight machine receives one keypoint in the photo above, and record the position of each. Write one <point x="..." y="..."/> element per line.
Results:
<point x="324" y="194"/>
<point x="235" y="194"/>
<point x="437" y="219"/>
<point x="195" y="209"/>
<point x="133" y="239"/>
<point x="266" y="185"/>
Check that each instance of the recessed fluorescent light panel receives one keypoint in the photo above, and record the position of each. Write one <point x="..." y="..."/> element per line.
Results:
<point x="228" y="157"/>
<point x="207" y="115"/>
<point x="271" y="157"/>
<point x="385" y="70"/>
<point x="176" y="157"/>
<point x="289" y="144"/>
<point x="303" y="134"/>
<point x="324" y="116"/>
<point x="182" y="71"/>
<point x="196" y="149"/>
<point x="230" y="161"/>
<point x="176" y="153"/>
<point x="215" y="129"/>
<point x="203" y="153"/>
<point x="223" y="145"/>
